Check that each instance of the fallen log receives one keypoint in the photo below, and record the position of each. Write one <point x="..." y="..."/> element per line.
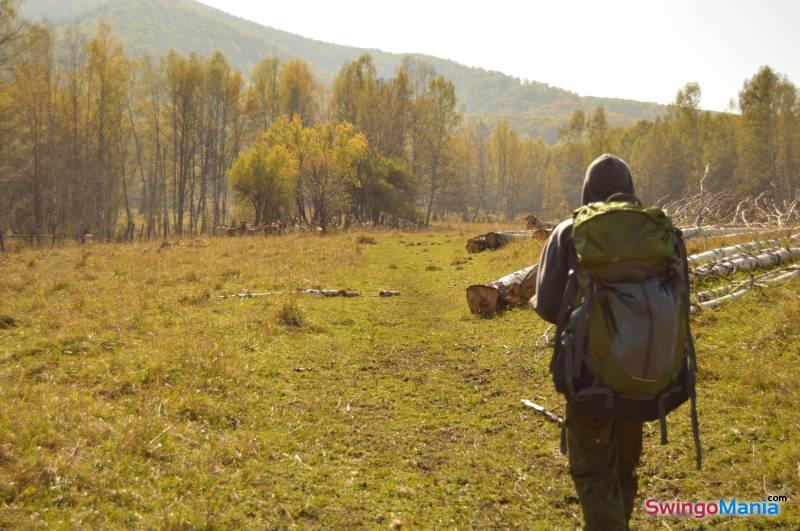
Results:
<point x="725" y="252"/>
<point x="245" y="294"/>
<point x="761" y="232"/>
<point x="711" y="232"/>
<point x="713" y="303"/>
<point x="715" y="297"/>
<point x="748" y="262"/>
<point x="533" y="223"/>
<point x="786" y="276"/>
<point x="330" y="292"/>
<point x="756" y="232"/>
<point x="514" y="289"/>
<point x="496" y="240"/>
<point x="717" y="292"/>
<point x="714" y="293"/>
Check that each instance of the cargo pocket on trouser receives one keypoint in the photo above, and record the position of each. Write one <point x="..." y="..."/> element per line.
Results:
<point x="594" y="468"/>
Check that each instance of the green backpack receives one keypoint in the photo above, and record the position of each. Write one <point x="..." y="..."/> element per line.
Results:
<point x="623" y="345"/>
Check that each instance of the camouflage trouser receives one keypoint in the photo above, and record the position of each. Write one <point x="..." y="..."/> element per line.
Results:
<point x="603" y="456"/>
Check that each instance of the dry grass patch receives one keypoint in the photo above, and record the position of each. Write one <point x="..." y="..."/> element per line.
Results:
<point x="132" y="397"/>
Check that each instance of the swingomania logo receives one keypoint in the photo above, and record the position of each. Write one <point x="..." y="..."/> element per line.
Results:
<point x="769" y="506"/>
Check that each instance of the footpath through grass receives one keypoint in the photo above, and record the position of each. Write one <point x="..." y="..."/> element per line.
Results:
<point x="131" y="397"/>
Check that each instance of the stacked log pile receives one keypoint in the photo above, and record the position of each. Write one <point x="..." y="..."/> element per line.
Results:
<point x="517" y="288"/>
<point x="730" y="215"/>
<point x="743" y="257"/>
<point x="496" y="240"/>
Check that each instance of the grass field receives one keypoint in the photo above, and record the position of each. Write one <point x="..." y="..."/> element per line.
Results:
<point x="131" y="397"/>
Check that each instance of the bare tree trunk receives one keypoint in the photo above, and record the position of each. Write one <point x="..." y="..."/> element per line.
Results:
<point x="129" y="216"/>
<point x="430" y="207"/>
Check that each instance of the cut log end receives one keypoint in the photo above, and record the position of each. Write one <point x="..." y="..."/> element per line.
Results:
<point x="484" y="300"/>
<point x="476" y="245"/>
<point x="493" y="240"/>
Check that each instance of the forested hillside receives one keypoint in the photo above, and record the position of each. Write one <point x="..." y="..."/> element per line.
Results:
<point x="105" y="143"/>
<point x="153" y="27"/>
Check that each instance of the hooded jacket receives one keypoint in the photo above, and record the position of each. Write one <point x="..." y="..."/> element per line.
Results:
<point x="606" y="176"/>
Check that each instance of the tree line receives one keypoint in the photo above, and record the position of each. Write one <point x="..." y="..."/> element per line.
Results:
<point x="97" y="142"/>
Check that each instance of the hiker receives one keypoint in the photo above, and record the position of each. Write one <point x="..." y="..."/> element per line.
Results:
<point x="631" y="263"/>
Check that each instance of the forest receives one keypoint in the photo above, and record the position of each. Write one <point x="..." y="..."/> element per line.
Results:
<point x="153" y="27"/>
<point x="98" y="142"/>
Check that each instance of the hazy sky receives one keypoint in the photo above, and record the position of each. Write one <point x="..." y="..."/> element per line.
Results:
<point x="644" y="50"/>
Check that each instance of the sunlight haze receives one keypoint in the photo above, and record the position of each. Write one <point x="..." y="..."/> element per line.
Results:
<point x="628" y="49"/>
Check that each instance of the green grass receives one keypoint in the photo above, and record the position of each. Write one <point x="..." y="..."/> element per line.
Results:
<point x="130" y="396"/>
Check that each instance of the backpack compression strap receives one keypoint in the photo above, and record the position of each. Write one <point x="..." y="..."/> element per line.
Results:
<point x="691" y="355"/>
<point x="570" y="292"/>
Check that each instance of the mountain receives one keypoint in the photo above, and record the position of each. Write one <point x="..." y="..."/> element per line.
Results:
<point x="152" y="27"/>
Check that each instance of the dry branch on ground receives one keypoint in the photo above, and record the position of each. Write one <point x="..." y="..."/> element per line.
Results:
<point x="712" y="232"/>
<point x="245" y="294"/>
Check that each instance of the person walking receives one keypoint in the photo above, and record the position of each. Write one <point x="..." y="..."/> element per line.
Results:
<point x="614" y="280"/>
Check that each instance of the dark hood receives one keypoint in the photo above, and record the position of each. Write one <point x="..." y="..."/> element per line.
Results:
<point x="606" y="176"/>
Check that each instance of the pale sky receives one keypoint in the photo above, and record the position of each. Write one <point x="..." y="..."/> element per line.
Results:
<point x="644" y="50"/>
